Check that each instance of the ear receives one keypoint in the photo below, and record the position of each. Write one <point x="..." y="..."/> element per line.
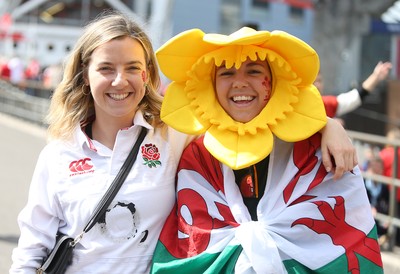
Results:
<point x="144" y="77"/>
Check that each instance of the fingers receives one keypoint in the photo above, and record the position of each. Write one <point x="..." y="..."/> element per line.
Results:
<point x="338" y="173"/>
<point x="339" y="168"/>
<point x="339" y="160"/>
<point x="338" y="152"/>
<point x="326" y="159"/>
<point x="344" y="161"/>
<point x="355" y="159"/>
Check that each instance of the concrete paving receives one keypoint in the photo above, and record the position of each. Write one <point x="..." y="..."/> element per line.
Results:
<point x="20" y="144"/>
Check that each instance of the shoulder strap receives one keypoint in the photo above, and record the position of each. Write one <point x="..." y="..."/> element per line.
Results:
<point x="116" y="184"/>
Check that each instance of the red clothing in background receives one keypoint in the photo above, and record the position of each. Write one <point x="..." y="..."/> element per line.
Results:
<point x="387" y="155"/>
<point x="331" y="104"/>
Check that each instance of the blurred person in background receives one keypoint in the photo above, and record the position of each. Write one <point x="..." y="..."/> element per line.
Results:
<point x="32" y="76"/>
<point x="387" y="155"/>
<point x="5" y="72"/>
<point x="52" y="76"/>
<point x="348" y="101"/>
<point x="17" y="70"/>
<point x="378" y="195"/>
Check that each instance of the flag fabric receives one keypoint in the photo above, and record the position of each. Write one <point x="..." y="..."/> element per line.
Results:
<point x="307" y="222"/>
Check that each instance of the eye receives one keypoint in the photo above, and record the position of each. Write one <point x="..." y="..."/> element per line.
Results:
<point x="254" y="71"/>
<point x="133" y="68"/>
<point x="225" y="72"/>
<point x="105" y="68"/>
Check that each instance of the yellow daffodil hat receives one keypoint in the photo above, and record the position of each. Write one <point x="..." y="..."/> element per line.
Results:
<point x="294" y="112"/>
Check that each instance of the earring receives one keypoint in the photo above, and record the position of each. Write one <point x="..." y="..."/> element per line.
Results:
<point x="85" y="89"/>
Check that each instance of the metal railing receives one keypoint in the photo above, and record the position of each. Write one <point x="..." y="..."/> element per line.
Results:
<point x="16" y="102"/>
<point x="392" y="218"/>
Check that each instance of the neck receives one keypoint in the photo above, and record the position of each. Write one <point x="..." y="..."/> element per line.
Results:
<point x="105" y="130"/>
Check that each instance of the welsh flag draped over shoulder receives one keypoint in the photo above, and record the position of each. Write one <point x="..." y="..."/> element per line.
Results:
<point x="307" y="223"/>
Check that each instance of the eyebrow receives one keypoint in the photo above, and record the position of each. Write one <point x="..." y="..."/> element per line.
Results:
<point x="251" y="64"/>
<point x="134" y="62"/>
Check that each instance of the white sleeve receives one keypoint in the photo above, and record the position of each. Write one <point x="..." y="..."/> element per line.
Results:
<point x="179" y="141"/>
<point x="348" y="102"/>
<point x="37" y="221"/>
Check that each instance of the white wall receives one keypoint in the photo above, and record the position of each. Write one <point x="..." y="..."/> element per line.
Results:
<point x="37" y="42"/>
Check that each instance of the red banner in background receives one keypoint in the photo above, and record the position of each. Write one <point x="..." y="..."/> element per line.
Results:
<point x="5" y="22"/>
<point x="303" y="4"/>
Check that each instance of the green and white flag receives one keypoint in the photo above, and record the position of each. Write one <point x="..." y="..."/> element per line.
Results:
<point x="307" y="222"/>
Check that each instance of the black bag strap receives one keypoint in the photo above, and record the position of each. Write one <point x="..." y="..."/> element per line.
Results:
<point x="116" y="184"/>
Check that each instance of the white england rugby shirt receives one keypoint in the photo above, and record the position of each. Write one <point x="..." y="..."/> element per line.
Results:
<point x="68" y="182"/>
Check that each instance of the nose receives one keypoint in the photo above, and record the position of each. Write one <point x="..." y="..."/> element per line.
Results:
<point x="239" y="81"/>
<point x="119" y="80"/>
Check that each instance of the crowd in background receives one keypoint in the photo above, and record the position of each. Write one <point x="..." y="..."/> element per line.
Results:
<point x="380" y="161"/>
<point x="30" y="76"/>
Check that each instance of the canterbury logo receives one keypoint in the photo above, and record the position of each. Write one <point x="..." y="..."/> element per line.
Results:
<point x="81" y="166"/>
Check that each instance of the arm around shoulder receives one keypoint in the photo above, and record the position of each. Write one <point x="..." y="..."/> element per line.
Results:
<point x="338" y="153"/>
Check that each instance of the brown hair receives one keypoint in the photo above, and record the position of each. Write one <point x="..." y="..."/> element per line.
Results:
<point x="70" y="104"/>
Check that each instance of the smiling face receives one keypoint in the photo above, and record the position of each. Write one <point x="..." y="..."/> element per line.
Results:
<point x="243" y="92"/>
<point x="116" y="75"/>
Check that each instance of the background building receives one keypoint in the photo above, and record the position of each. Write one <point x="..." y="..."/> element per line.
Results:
<point x="349" y="35"/>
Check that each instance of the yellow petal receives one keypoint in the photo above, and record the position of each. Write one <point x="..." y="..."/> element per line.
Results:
<point x="177" y="111"/>
<point x="302" y="58"/>
<point x="307" y="117"/>
<point x="178" y="54"/>
<point x="244" y="36"/>
<point x="238" y="151"/>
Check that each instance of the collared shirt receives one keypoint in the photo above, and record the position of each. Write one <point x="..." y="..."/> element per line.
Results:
<point x="69" y="180"/>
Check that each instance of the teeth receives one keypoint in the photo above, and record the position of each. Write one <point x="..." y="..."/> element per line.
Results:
<point x="118" y="97"/>
<point x="242" y="98"/>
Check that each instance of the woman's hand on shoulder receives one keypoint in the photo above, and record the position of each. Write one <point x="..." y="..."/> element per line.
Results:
<point x="338" y="152"/>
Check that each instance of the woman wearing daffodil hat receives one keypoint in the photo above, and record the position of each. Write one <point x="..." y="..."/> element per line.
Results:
<point x="253" y="195"/>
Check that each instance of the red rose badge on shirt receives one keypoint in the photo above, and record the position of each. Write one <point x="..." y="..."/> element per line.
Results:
<point x="150" y="155"/>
